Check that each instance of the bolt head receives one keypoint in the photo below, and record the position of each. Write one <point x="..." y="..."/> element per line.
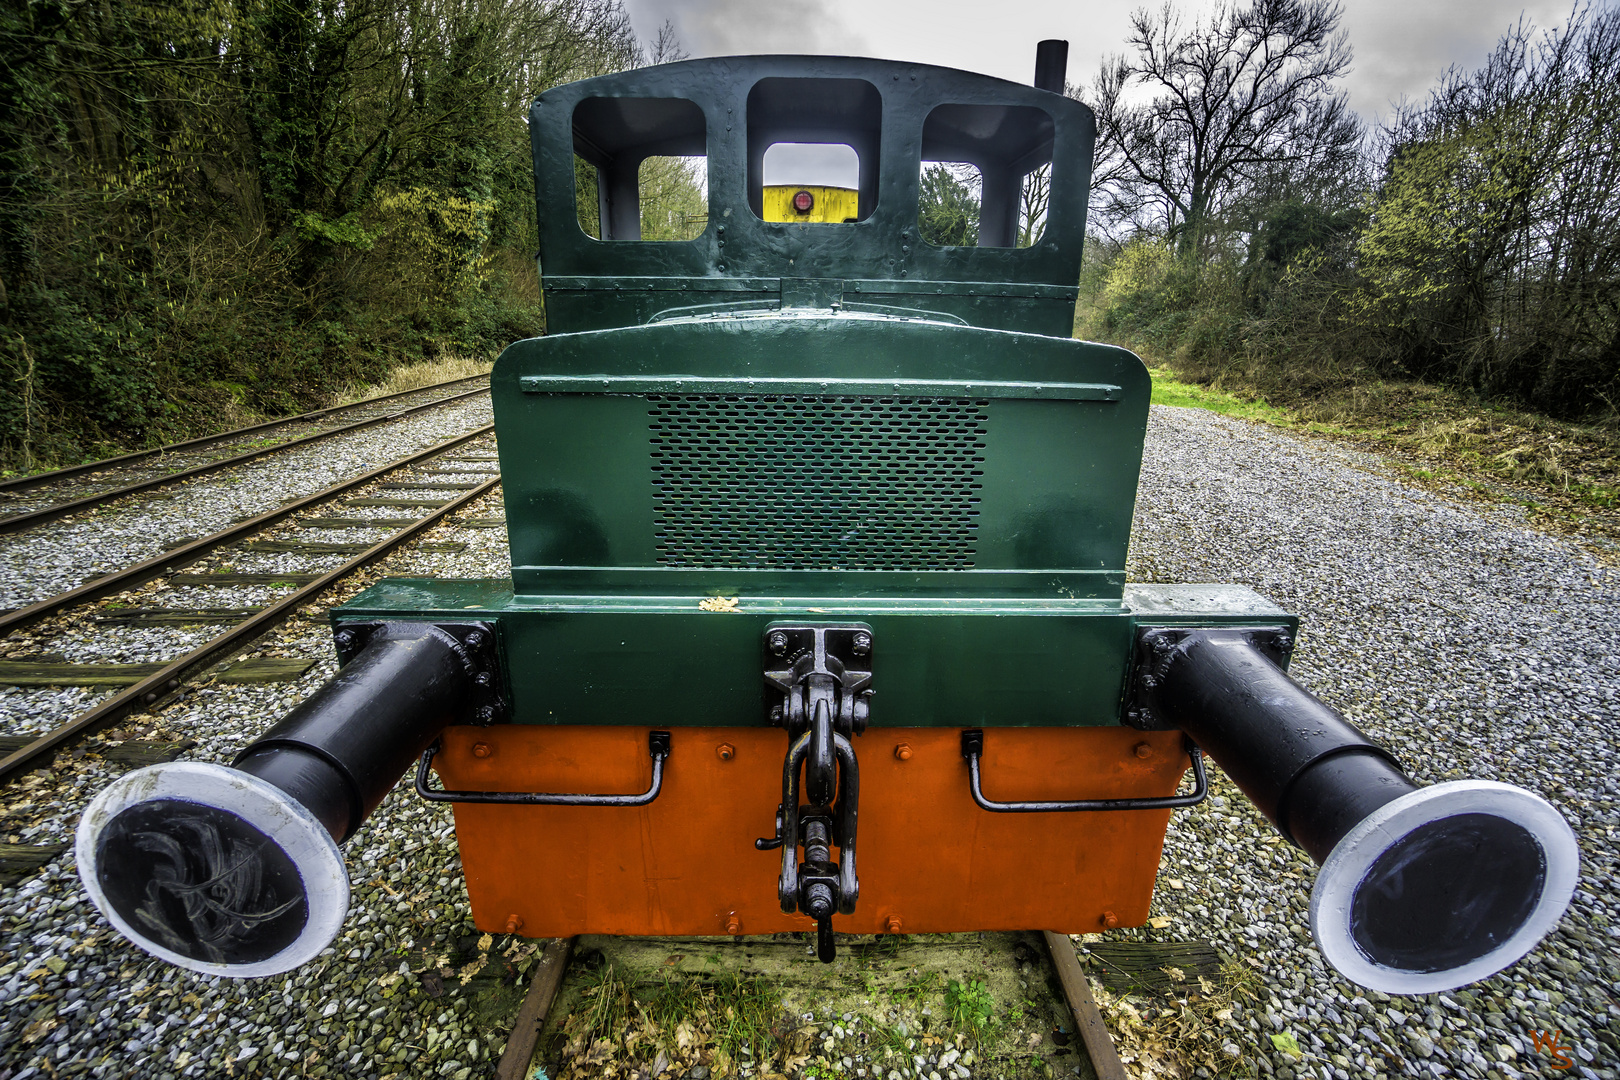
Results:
<point x="475" y="638"/>
<point x="725" y="751"/>
<point x="1109" y="919"/>
<point x="482" y="750"/>
<point x="903" y="752"/>
<point x="1144" y="750"/>
<point x="733" y="925"/>
<point x="778" y="641"/>
<point x="863" y="644"/>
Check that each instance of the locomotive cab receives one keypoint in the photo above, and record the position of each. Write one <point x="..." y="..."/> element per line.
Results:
<point x="818" y="537"/>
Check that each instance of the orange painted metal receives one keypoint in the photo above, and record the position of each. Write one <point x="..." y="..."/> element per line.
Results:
<point x="928" y="856"/>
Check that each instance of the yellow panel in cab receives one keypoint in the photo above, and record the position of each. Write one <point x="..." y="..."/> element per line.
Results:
<point x="832" y="204"/>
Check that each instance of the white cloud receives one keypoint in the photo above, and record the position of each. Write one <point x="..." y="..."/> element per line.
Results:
<point x="1401" y="46"/>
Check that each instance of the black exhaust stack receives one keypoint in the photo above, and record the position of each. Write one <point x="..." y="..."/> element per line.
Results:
<point x="1420" y="889"/>
<point x="1051" y="65"/>
<point x="236" y="871"/>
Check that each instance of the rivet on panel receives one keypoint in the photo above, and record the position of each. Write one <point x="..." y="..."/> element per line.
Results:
<point x="726" y="751"/>
<point x="1109" y="919"/>
<point x="903" y="752"/>
<point x="892" y="924"/>
<point x="733" y="925"/>
<point x="514" y="923"/>
<point x="482" y="749"/>
<point x="1144" y="750"/>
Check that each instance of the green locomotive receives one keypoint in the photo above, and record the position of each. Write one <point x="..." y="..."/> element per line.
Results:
<point x="818" y="538"/>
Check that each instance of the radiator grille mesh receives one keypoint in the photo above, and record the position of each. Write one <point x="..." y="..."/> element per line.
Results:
<point x="816" y="483"/>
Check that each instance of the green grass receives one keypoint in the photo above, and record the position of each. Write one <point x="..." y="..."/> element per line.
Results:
<point x="1168" y="390"/>
<point x="971" y="1007"/>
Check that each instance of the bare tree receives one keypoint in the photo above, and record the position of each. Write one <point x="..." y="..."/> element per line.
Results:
<point x="1035" y="198"/>
<point x="1238" y="101"/>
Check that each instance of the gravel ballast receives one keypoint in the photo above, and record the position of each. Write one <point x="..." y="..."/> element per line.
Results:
<point x="1469" y="643"/>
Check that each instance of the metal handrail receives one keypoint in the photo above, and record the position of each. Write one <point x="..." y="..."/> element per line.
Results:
<point x="658" y="743"/>
<point x="973" y="748"/>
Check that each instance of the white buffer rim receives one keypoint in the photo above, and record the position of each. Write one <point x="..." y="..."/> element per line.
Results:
<point x="262" y="805"/>
<point x="1354" y="855"/>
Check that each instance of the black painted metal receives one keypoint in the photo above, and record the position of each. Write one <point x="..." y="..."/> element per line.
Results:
<point x="201" y="881"/>
<point x="1448" y="893"/>
<point x="489" y="692"/>
<point x="973" y="749"/>
<point x="1268" y="732"/>
<point x="1051" y="65"/>
<point x="658" y="745"/>
<point x="1445" y="893"/>
<point x="1154" y="645"/>
<point x="407" y="684"/>
<point x="313" y="782"/>
<point x="831" y="663"/>
<point x="826" y="691"/>
<point x="1335" y="795"/>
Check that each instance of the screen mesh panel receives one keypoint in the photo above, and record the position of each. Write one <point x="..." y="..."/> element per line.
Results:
<point x="816" y="483"/>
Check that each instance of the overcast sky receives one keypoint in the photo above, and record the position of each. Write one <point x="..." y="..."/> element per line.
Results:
<point x="1401" y="46"/>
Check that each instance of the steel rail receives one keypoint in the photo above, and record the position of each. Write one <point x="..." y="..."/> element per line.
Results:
<point x="184" y="556"/>
<point x="172" y="676"/>
<point x="26" y="483"/>
<point x="18" y="522"/>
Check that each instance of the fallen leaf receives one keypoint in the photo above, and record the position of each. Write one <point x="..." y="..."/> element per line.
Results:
<point x="1286" y="1042"/>
<point x="39" y="1029"/>
<point x="1175" y="884"/>
<point x="1159" y="923"/>
<point x="718" y="603"/>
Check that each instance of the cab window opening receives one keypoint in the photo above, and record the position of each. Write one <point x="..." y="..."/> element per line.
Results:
<point x="813" y="150"/>
<point x="640" y="169"/>
<point x="1008" y="148"/>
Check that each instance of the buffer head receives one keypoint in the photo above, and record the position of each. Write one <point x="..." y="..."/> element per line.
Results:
<point x="1444" y="886"/>
<point x="212" y="869"/>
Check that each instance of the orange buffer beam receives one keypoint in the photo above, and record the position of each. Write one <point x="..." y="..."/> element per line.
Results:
<point x="930" y="860"/>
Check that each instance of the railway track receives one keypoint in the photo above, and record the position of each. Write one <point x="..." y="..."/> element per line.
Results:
<point x="150" y="688"/>
<point x="922" y="998"/>
<point x="133" y="474"/>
